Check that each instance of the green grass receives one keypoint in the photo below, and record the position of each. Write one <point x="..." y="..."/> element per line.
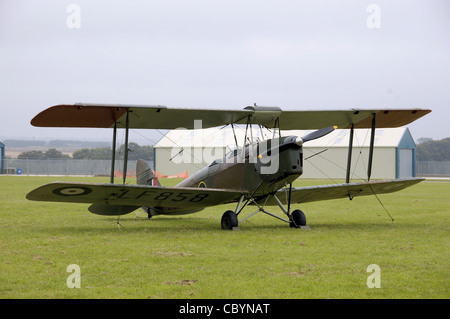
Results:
<point x="191" y="257"/>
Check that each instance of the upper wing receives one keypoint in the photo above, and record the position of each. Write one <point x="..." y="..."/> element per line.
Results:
<point x="325" y="192"/>
<point x="140" y="117"/>
<point x="133" y="195"/>
<point x="162" y="117"/>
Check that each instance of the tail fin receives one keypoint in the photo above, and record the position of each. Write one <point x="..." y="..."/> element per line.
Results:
<point x="145" y="175"/>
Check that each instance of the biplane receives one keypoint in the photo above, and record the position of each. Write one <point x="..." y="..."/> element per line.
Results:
<point x="258" y="173"/>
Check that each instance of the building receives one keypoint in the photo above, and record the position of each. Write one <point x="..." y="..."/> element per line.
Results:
<point x="2" y="157"/>
<point x="180" y="150"/>
<point x="394" y="152"/>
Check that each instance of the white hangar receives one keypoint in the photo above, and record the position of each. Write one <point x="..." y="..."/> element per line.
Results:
<point x="324" y="158"/>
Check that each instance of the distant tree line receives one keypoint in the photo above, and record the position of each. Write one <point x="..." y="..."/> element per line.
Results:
<point x="431" y="150"/>
<point x="51" y="153"/>
<point x="427" y="150"/>
<point x="53" y="143"/>
<point x="135" y="152"/>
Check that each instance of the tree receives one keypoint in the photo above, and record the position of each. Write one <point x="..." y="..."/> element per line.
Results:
<point x="423" y="140"/>
<point x="431" y="150"/>
<point x="135" y="152"/>
<point x="53" y="153"/>
<point x="81" y="154"/>
<point x="38" y="155"/>
<point x="101" y="153"/>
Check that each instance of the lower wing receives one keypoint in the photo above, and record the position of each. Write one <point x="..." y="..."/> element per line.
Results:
<point x="351" y="190"/>
<point x="116" y="199"/>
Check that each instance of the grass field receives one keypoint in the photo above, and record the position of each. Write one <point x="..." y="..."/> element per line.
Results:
<point x="191" y="257"/>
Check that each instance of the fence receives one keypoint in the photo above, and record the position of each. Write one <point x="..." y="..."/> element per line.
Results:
<point x="103" y="167"/>
<point x="433" y="168"/>
<point x="65" y="167"/>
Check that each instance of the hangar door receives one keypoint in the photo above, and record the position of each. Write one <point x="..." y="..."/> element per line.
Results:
<point x="405" y="163"/>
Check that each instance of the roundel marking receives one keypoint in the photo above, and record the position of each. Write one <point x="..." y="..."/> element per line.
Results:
<point x="72" y="191"/>
<point x="202" y="184"/>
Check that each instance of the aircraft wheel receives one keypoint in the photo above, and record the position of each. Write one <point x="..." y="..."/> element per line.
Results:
<point x="299" y="218"/>
<point x="229" y="220"/>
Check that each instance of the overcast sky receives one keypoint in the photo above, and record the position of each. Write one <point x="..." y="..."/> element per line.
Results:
<point x="223" y="54"/>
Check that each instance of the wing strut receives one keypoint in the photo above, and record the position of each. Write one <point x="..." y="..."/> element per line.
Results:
<point x="125" y="159"/>
<point x="113" y="160"/>
<point x="350" y="150"/>
<point x="372" y="142"/>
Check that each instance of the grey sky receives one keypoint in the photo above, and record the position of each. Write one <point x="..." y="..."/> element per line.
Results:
<point x="223" y="54"/>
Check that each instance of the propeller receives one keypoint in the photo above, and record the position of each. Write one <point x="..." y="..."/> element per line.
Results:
<point x="298" y="141"/>
<point x="314" y="135"/>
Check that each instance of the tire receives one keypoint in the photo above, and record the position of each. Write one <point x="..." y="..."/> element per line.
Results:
<point x="299" y="218"/>
<point x="229" y="220"/>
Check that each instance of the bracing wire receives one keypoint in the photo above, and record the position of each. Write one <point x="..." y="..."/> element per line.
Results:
<point x="119" y="226"/>
<point x="353" y="174"/>
<point x="381" y="203"/>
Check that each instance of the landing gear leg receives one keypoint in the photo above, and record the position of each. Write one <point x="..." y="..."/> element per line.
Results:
<point x="297" y="219"/>
<point x="149" y="212"/>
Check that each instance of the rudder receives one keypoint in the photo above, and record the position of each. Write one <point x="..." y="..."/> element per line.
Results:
<point x="145" y="175"/>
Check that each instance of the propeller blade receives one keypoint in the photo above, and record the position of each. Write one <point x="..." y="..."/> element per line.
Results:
<point x="315" y="135"/>
<point x="298" y="141"/>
